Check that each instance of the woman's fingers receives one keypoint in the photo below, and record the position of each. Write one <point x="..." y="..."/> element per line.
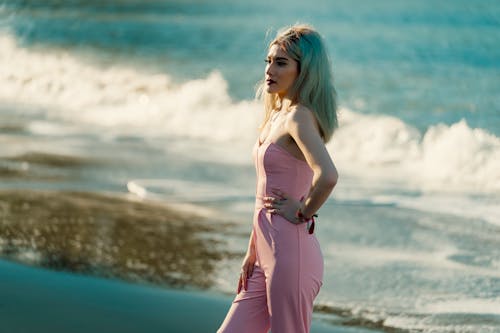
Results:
<point x="246" y="281"/>
<point x="273" y="200"/>
<point x="245" y="274"/>
<point x="240" y="283"/>
<point x="273" y="204"/>
<point x="250" y="271"/>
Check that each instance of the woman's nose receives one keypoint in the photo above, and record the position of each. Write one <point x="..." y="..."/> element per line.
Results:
<point x="269" y="69"/>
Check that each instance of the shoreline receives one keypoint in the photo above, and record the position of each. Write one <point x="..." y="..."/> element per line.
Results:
<point x="41" y="300"/>
<point x="72" y="251"/>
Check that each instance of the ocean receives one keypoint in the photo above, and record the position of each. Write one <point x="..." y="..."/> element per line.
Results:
<point x="161" y="93"/>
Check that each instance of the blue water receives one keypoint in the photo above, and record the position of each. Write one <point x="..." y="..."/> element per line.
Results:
<point x="411" y="236"/>
<point x="422" y="61"/>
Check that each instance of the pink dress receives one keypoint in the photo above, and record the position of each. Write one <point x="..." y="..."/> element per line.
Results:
<point x="288" y="272"/>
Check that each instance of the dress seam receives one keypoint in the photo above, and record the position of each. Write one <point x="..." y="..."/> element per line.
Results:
<point x="299" y="270"/>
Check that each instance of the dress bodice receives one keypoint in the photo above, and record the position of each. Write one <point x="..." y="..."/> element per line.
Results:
<point x="277" y="169"/>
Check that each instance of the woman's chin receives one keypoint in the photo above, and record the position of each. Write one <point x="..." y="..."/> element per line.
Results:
<point x="270" y="89"/>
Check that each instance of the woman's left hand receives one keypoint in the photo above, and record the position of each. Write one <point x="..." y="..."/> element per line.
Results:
<point x="283" y="205"/>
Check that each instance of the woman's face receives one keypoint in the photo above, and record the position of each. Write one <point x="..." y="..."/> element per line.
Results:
<point x="281" y="71"/>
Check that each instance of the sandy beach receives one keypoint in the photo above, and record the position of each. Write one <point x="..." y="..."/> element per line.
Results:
<point x="109" y="236"/>
<point x="89" y="262"/>
<point x="40" y="300"/>
<point x="127" y="181"/>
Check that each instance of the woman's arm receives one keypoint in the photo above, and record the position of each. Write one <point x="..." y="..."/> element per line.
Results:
<point x="302" y="127"/>
<point x="251" y="244"/>
<point x="247" y="265"/>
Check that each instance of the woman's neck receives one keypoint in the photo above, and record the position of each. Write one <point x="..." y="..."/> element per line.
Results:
<point x="285" y="103"/>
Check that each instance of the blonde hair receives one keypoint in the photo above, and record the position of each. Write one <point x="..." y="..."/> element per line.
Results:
<point x="313" y="86"/>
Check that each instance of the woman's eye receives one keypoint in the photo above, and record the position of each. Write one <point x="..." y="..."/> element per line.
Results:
<point x="280" y="63"/>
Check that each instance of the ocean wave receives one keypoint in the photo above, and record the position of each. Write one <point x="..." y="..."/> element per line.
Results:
<point x="445" y="157"/>
<point x="452" y="317"/>
<point x="121" y="98"/>
<point x="117" y="100"/>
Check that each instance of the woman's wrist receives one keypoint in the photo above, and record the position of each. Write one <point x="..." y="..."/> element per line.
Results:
<point x="301" y="217"/>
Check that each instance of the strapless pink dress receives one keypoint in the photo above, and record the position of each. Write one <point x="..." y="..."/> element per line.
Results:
<point x="289" y="269"/>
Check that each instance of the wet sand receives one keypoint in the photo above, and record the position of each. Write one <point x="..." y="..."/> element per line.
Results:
<point x="91" y="262"/>
<point x="36" y="300"/>
<point x="108" y="236"/>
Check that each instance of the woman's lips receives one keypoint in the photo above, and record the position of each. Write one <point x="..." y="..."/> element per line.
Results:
<point x="269" y="81"/>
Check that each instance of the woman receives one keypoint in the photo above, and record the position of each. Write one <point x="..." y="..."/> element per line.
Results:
<point x="282" y="271"/>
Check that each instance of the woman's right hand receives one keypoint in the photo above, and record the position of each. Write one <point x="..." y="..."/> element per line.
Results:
<point x="246" y="270"/>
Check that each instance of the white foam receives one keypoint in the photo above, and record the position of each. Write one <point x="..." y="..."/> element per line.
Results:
<point x="458" y="155"/>
<point x="445" y="158"/>
<point x="182" y="190"/>
<point x="377" y="256"/>
<point x="437" y="254"/>
<point x="373" y="140"/>
<point x="47" y="128"/>
<point x="427" y="324"/>
<point x="487" y="210"/>
<point x="200" y="119"/>
<point x="471" y="305"/>
<point x="123" y="99"/>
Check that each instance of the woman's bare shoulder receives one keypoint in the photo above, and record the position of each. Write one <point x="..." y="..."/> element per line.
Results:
<point x="300" y="115"/>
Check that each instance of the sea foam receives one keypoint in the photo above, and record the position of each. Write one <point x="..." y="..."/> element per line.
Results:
<point x="445" y="157"/>
<point x="121" y="100"/>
